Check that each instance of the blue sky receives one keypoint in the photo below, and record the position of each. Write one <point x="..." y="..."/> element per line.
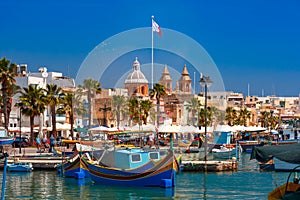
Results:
<point x="255" y="42"/>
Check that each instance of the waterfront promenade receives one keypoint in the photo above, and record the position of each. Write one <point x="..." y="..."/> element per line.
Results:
<point x="39" y="159"/>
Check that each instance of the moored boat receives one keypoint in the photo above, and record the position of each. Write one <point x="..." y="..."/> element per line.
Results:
<point x="135" y="167"/>
<point x="289" y="190"/>
<point x="19" y="167"/>
<point x="225" y="153"/>
<point x="277" y="157"/>
<point x="4" y="138"/>
<point x="73" y="167"/>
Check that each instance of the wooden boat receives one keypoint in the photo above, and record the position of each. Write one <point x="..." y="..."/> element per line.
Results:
<point x="277" y="157"/>
<point x="135" y="167"/>
<point x="225" y="153"/>
<point x="289" y="190"/>
<point x="4" y="138"/>
<point x="19" y="167"/>
<point x="73" y="167"/>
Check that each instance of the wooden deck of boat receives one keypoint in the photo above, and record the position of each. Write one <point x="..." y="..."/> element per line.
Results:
<point x="210" y="166"/>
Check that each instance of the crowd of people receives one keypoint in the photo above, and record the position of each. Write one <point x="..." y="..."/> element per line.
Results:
<point x="45" y="143"/>
<point x="49" y="143"/>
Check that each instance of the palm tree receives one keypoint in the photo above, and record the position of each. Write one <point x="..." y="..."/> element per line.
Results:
<point x="32" y="103"/>
<point x="53" y="99"/>
<point x="79" y="108"/>
<point x="268" y="120"/>
<point x="264" y="119"/>
<point x="193" y="106"/>
<point x="244" y="114"/>
<point x="202" y="116"/>
<point x="7" y="74"/>
<point x="157" y="92"/>
<point x="11" y="91"/>
<point x="230" y="116"/>
<point x="273" y="121"/>
<point x="133" y="108"/>
<point x="145" y="106"/>
<point x="67" y="101"/>
<point x="90" y="88"/>
<point x="218" y="115"/>
<point x="118" y="104"/>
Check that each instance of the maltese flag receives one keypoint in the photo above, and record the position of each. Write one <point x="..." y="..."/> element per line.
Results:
<point x="156" y="28"/>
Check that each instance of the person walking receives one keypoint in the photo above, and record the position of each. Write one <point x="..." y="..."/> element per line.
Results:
<point x="38" y="143"/>
<point x="52" y="143"/>
<point x="44" y="142"/>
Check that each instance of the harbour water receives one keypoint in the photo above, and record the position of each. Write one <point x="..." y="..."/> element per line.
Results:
<point x="247" y="183"/>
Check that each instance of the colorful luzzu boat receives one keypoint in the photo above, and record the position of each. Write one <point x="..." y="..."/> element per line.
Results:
<point x="135" y="167"/>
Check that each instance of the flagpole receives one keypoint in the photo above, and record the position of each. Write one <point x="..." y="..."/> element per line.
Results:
<point x="152" y="54"/>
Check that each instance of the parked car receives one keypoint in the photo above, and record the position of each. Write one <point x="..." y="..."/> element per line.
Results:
<point x="21" y="142"/>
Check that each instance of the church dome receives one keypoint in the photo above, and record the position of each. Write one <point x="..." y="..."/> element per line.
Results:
<point x="137" y="75"/>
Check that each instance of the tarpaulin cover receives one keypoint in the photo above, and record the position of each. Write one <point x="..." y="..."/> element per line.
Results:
<point x="288" y="152"/>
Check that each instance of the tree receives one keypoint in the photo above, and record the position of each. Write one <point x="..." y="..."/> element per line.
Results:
<point x="230" y="116"/>
<point x="264" y="118"/>
<point x="218" y="115"/>
<point x="90" y="88"/>
<point x="32" y="103"/>
<point x="202" y="116"/>
<point x="11" y="91"/>
<point x="244" y="114"/>
<point x="67" y="101"/>
<point x="7" y="74"/>
<point x="193" y="107"/>
<point x="267" y="119"/>
<point x="118" y="104"/>
<point x="273" y="121"/>
<point x="53" y="97"/>
<point x="157" y="92"/>
<point x="133" y="108"/>
<point x="79" y="108"/>
<point x="145" y="106"/>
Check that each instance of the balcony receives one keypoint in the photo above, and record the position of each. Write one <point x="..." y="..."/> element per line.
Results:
<point x="60" y="118"/>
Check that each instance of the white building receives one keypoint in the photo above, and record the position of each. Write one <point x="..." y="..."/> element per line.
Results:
<point x="40" y="78"/>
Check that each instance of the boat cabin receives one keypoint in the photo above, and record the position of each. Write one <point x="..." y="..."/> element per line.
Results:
<point x="129" y="158"/>
<point x="3" y="133"/>
<point x="222" y="137"/>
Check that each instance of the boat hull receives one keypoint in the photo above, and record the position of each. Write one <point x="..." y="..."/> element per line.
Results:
<point x="74" y="167"/>
<point x="19" y="167"/>
<point x="290" y="191"/>
<point x="6" y="140"/>
<point x="225" y="153"/>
